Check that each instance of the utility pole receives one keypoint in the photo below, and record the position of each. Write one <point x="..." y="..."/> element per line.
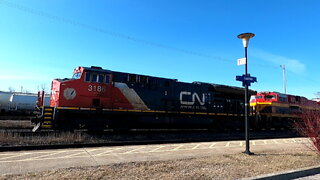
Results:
<point x="283" y="67"/>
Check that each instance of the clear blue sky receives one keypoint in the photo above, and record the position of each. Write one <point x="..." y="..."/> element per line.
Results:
<point x="187" y="40"/>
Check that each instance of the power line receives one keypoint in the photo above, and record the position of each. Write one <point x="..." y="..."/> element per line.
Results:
<point x="125" y="36"/>
<point x="105" y="31"/>
<point x="115" y="34"/>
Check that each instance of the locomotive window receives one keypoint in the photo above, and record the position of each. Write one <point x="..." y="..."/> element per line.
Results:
<point x="270" y="97"/>
<point x="100" y="78"/>
<point x="87" y="77"/>
<point x="94" y="78"/>
<point x="258" y="97"/>
<point x="76" y="75"/>
<point x="107" y="79"/>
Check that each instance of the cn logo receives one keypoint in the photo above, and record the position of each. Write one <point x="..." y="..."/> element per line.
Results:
<point x="194" y="97"/>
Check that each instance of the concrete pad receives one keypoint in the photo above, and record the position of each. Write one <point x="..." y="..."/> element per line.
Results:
<point x="41" y="160"/>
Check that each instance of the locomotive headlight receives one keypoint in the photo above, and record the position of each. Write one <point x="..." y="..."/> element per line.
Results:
<point x="245" y="38"/>
<point x="69" y="93"/>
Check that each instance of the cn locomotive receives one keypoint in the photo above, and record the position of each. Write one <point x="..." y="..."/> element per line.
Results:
<point x="95" y="98"/>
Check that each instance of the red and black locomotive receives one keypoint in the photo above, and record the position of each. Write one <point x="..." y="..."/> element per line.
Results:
<point x="95" y="98"/>
<point x="274" y="109"/>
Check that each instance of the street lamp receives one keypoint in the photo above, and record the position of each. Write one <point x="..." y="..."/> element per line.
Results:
<point x="245" y="40"/>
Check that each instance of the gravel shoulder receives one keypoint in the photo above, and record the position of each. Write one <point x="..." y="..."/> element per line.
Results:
<point x="231" y="165"/>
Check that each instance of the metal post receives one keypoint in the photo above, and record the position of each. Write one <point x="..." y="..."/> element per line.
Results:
<point x="284" y="78"/>
<point x="246" y="110"/>
<point x="246" y="81"/>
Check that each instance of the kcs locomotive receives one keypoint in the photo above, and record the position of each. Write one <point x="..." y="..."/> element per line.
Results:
<point x="95" y="98"/>
<point x="274" y="109"/>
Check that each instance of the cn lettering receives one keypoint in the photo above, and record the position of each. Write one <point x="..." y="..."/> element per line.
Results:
<point x="194" y="97"/>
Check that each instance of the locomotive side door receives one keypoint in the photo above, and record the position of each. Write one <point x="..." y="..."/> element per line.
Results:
<point x="168" y="90"/>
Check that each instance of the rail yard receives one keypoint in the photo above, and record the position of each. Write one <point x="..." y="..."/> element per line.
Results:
<point x="159" y="90"/>
<point x="99" y="108"/>
<point x="98" y="104"/>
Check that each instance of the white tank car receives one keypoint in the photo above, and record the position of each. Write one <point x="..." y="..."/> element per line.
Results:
<point x="5" y="100"/>
<point x="19" y="102"/>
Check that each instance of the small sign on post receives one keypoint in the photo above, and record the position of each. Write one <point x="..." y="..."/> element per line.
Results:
<point x="242" y="61"/>
<point x="246" y="79"/>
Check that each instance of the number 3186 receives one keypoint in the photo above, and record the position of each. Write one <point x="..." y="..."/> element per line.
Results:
<point x="96" y="88"/>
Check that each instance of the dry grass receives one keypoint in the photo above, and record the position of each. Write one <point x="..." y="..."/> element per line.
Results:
<point x="232" y="166"/>
<point x="8" y="138"/>
<point x="15" y="124"/>
<point x="15" y="139"/>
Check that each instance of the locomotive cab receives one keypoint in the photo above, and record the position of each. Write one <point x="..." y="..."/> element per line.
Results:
<point x="263" y="101"/>
<point x="280" y="104"/>
<point x="88" y="88"/>
<point x="266" y="97"/>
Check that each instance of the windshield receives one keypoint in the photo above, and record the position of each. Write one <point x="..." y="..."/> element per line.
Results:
<point x="270" y="97"/>
<point x="76" y="75"/>
<point x="258" y="97"/>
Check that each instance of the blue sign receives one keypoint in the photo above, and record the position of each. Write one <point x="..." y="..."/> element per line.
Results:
<point x="246" y="80"/>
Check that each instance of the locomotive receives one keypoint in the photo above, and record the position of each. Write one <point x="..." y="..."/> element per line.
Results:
<point x="96" y="98"/>
<point x="278" y="110"/>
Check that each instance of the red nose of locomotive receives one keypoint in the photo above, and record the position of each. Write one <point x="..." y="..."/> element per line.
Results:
<point x="87" y="88"/>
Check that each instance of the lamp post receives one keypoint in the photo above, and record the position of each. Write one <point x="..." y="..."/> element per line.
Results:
<point x="245" y="40"/>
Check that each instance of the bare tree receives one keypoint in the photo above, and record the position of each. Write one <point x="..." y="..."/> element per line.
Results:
<point x="42" y="87"/>
<point x="309" y="126"/>
<point x="11" y="89"/>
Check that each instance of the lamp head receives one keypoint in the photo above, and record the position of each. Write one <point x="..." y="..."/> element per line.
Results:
<point x="245" y="38"/>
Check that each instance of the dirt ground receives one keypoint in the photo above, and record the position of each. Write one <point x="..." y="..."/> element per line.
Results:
<point x="232" y="166"/>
